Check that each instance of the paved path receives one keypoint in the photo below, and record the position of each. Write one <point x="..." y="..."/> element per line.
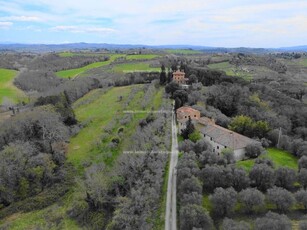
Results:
<point x="171" y="212"/>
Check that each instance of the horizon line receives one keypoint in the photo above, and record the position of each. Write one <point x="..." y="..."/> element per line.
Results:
<point x="186" y="46"/>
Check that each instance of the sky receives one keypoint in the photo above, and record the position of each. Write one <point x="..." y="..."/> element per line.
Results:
<point x="218" y="23"/>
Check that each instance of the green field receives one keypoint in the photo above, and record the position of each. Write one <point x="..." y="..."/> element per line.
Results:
<point x="230" y="70"/>
<point x="103" y="108"/>
<point x="97" y="114"/>
<point x="72" y="73"/>
<point x="67" y="54"/>
<point x="135" y="67"/>
<point x="72" y="54"/>
<point x="126" y="67"/>
<point x="7" y="88"/>
<point x="182" y="51"/>
<point x="279" y="157"/>
<point x="303" y="62"/>
<point x="141" y="56"/>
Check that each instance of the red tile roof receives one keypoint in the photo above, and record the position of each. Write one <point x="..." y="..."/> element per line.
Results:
<point x="186" y="109"/>
<point x="226" y="137"/>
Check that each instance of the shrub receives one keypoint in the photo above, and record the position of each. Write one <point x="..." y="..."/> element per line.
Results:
<point x="273" y="221"/>
<point x="195" y="136"/>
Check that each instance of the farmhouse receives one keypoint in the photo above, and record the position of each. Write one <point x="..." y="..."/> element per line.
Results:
<point x="184" y="113"/>
<point x="179" y="77"/>
<point x="219" y="137"/>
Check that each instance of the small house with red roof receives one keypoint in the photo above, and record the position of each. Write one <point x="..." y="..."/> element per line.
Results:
<point x="184" y="113"/>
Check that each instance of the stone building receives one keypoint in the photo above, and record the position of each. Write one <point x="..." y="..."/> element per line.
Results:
<point x="179" y="77"/>
<point x="219" y="137"/>
<point x="184" y="113"/>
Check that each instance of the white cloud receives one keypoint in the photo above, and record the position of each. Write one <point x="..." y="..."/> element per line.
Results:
<point x="4" y="25"/>
<point x="82" y="29"/>
<point x="22" y="18"/>
<point x="203" y="22"/>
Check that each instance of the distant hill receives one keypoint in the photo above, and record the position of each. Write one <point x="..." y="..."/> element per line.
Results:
<point x="92" y="46"/>
<point x="294" y="49"/>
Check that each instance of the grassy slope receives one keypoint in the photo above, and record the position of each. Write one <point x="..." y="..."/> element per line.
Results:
<point x="127" y="67"/>
<point x="71" y="54"/>
<point x="182" y="51"/>
<point x="134" y="67"/>
<point x="96" y="106"/>
<point x="7" y="88"/>
<point x="279" y="157"/>
<point x="303" y="62"/>
<point x="141" y="56"/>
<point x="98" y="113"/>
<point x="71" y="73"/>
<point x="230" y="70"/>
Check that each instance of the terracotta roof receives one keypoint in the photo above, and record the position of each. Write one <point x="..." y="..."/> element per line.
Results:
<point x="186" y="109"/>
<point x="178" y="72"/>
<point x="205" y="121"/>
<point x="226" y="137"/>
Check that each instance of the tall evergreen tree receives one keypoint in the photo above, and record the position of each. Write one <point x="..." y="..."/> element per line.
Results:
<point x="169" y="75"/>
<point x="162" y="75"/>
<point x="189" y="129"/>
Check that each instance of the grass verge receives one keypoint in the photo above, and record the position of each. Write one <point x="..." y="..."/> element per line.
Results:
<point x="7" y="88"/>
<point x="279" y="157"/>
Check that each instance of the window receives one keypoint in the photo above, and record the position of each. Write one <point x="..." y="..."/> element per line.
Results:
<point x="214" y="150"/>
<point x="185" y="116"/>
<point x="194" y="115"/>
<point x="225" y="147"/>
<point x="204" y="135"/>
<point x="211" y="138"/>
<point x="218" y="147"/>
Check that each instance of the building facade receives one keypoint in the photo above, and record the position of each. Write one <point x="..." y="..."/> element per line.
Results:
<point x="179" y="77"/>
<point x="183" y="114"/>
<point x="221" y="138"/>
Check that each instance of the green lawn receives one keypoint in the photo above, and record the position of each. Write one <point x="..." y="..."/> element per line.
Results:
<point x="230" y="70"/>
<point x="98" y="114"/>
<point x="141" y="56"/>
<point x="97" y="110"/>
<point x="182" y="51"/>
<point x="279" y="157"/>
<point x="72" y="54"/>
<point x="72" y="73"/>
<point x="67" y="54"/>
<point x="7" y="88"/>
<point x="207" y="203"/>
<point x="134" y="67"/>
<point x="303" y="61"/>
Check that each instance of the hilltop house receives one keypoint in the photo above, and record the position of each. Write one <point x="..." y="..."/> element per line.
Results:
<point x="219" y="137"/>
<point x="179" y="77"/>
<point x="184" y="113"/>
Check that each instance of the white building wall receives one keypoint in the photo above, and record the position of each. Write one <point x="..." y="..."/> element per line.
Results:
<point x="239" y="154"/>
<point x="181" y="126"/>
<point x="217" y="148"/>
